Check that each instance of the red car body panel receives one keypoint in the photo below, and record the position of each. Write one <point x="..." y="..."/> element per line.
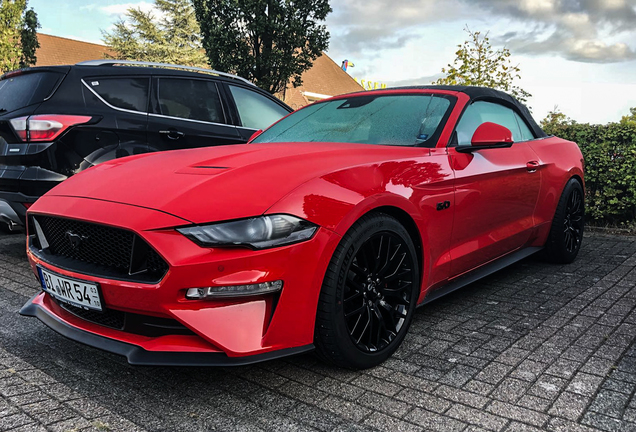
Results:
<point x="161" y="344"/>
<point x="559" y="160"/>
<point x="499" y="201"/>
<point x="495" y="198"/>
<point x="223" y="324"/>
<point x="197" y="185"/>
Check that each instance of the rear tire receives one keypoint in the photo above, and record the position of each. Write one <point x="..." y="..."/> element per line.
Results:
<point x="566" y="232"/>
<point x="369" y="294"/>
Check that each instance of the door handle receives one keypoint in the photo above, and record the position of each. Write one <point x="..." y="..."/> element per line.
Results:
<point x="532" y="166"/>
<point x="172" y="134"/>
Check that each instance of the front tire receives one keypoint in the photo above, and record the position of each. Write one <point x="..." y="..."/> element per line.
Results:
<point x="369" y="294"/>
<point x="566" y="232"/>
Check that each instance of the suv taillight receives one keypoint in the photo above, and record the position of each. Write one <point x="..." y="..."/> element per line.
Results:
<point x="44" y="127"/>
<point x="20" y="127"/>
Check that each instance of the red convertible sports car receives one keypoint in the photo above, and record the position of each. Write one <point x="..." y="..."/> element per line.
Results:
<point x="325" y="232"/>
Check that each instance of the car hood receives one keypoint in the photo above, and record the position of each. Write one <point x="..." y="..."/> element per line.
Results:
<point x="219" y="183"/>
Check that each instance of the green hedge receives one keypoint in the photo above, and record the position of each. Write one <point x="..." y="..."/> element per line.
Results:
<point x="610" y="167"/>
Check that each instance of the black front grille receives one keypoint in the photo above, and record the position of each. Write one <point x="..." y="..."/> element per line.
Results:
<point x="109" y="318"/>
<point x="97" y="249"/>
<point x="96" y="244"/>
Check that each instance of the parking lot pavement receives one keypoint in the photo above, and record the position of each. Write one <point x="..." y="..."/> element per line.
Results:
<point x="533" y="347"/>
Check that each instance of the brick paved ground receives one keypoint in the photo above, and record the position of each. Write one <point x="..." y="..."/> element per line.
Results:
<point x="533" y="347"/>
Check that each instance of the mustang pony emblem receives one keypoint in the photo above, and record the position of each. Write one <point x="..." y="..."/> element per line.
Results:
<point x="75" y="239"/>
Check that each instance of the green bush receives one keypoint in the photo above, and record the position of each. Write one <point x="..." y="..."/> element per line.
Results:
<point x="610" y="166"/>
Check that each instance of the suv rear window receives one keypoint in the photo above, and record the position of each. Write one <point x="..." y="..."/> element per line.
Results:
<point x="20" y="91"/>
<point x="126" y="93"/>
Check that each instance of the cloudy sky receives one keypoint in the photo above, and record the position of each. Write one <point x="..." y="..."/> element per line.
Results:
<point x="579" y="55"/>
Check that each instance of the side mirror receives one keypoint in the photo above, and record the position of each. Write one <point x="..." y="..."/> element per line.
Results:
<point x="254" y="135"/>
<point x="488" y="134"/>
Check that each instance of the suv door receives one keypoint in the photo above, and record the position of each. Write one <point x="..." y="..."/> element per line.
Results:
<point x="188" y="112"/>
<point x="256" y="111"/>
<point x="122" y="103"/>
<point x="496" y="190"/>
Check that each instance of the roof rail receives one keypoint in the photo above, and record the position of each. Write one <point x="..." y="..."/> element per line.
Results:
<point x="160" y="65"/>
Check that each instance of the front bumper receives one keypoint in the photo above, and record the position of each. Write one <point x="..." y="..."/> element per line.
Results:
<point x="229" y="331"/>
<point x="138" y="356"/>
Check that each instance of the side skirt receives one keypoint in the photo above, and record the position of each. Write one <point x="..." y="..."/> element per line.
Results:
<point x="480" y="273"/>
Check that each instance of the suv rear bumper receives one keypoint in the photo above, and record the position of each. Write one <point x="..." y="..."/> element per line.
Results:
<point x="12" y="209"/>
<point x="21" y="185"/>
<point x="9" y="215"/>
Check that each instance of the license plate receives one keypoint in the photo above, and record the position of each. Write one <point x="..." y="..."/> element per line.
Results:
<point x="82" y="294"/>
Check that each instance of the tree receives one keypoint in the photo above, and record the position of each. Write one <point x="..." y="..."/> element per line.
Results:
<point x="174" y="37"/>
<point x="631" y="118"/>
<point x="478" y="64"/>
<point x="18" y="37"/>
<point x="269" y="42"/>
<point x="557" y="123"/>
<point x="29" y="38"/>
<point x="555" y="119"/>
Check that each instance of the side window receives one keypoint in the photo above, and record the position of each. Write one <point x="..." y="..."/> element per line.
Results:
<point x="255" y="110"/>
<point x="191" y="99"/>
<point x="482" y="112"/>
<point x="526" y="133"/>
<point x="126" y="93"/>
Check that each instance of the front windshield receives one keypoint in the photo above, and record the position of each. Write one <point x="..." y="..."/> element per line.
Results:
<point x="399" y="120"/>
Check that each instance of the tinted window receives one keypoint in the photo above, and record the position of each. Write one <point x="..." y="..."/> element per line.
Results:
<point x="126" y="93"/>
<point x="256" y="111"/>
<point x="404" y="120"/>
<point x="190" y="99"/>
<point x="23" y="90"/>
<point x="482" y="112"/>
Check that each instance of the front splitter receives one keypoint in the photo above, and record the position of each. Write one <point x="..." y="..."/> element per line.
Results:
<point x="140" y="357"/>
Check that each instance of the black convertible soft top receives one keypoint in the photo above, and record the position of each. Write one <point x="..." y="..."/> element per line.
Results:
<point x="487" y="94"/>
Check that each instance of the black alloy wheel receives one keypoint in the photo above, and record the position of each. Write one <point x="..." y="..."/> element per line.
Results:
<point x="573" y="221"/>
<point x="369" y="294"/>
<point x="377" y="292"/>
<point x="566" y="232"/>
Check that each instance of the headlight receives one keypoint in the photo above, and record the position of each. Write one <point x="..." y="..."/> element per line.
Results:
<point x="259" y="233"/>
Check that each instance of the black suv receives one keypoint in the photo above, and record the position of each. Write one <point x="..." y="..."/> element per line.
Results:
<point x="59" y="120"/>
